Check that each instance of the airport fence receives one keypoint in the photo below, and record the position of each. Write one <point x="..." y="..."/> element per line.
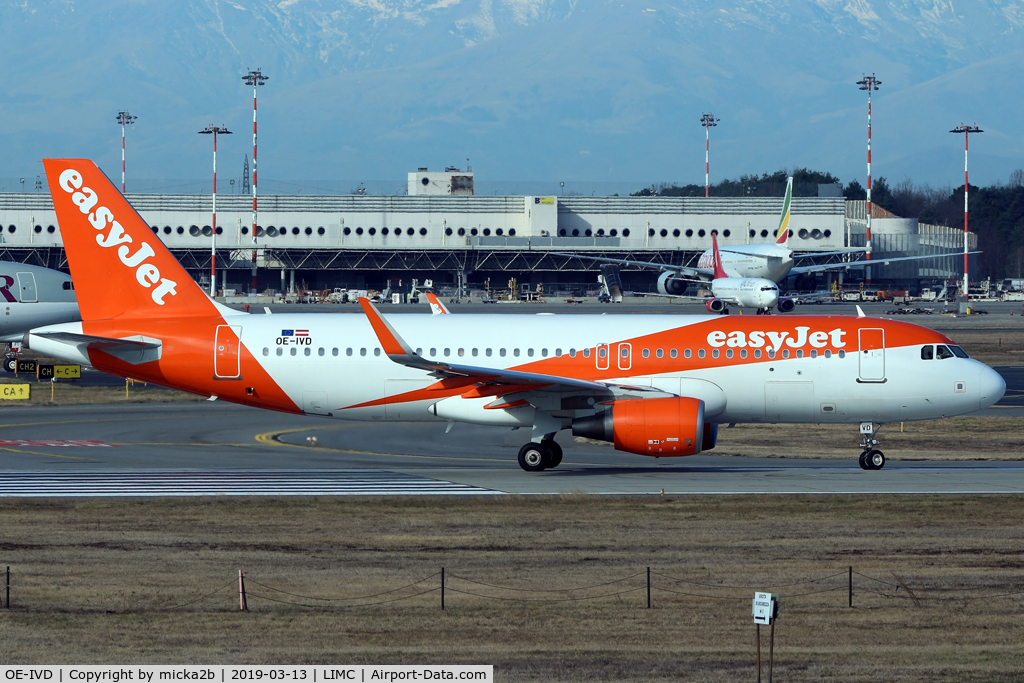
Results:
<point x="643" y="589"/>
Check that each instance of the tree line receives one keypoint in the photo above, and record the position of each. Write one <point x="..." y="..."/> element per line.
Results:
<point x="996" y="211"/>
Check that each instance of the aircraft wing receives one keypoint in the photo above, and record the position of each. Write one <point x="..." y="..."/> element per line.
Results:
<point x="841" y="252"/>
<point x="798" y="270"/>
<point x="698" y="274"/>
<point x="398" y="350"/>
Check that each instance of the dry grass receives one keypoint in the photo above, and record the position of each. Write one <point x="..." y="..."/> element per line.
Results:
<point x="993" y="347"/>
<point x="92" y="580"/>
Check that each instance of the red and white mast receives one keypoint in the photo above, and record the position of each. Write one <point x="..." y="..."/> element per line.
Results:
<point x="255" y="79"/>
<point x="213" y="247"/>
<point x="708" y="121"/>
<point x="124" y="118"/>
<point x="966" y="130"/>
<point x="869" y="83"/>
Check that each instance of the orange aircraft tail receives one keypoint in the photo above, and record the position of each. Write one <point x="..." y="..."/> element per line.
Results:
<point x="717" y="258"/>
<point x="119" y="266"/>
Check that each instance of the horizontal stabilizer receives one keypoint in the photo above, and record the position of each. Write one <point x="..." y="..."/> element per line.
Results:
<point x="135" y="350"/>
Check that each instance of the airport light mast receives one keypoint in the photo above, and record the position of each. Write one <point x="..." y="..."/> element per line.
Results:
<point x="215" y="130"/>
<point x="255" y="79"/>
<point x="708" y="121"/>
<point x="868" y="83"/>
<point x="124" y="118"/>
<point x="966" y="130"/>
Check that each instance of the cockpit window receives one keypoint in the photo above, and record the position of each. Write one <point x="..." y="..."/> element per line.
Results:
<point x="927" y="352"/>
<point x="943" y="352"/>
<point x="958" y="352"/>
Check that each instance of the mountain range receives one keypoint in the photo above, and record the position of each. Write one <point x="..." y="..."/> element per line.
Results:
<point x="571" y="90"/>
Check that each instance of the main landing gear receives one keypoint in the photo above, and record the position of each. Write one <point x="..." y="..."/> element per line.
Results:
<point x="535" y="457"/>
<point x="870" y="458"/>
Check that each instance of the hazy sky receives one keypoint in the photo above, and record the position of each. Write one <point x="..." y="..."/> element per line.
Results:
<point x="538" y="90"/>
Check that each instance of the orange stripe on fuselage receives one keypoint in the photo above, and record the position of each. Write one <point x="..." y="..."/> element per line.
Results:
<point x="693" y="337"/>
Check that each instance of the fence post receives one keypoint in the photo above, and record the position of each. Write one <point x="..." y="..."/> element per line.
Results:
<point x="648" y="588"/>
<point x="442" y="589"/>
<point x="850" y="584"/>
<point x="242" y="603"/>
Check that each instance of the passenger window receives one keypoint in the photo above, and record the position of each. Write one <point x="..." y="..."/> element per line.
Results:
<point x="295" y="351"/>
<point x="447" y="352"/>
<point x="700" y="353"/>
<point x="376" y="351"/>
<point x="572" y="353"/>
<point x="660" y="353"/>
<point x="771" y="353"/>
<point x="828" y="353"/>
<point x="307" y="351"/>
<point x="647" y="353"/>
<point x="515" y="352"/>
<point x="362" y="351"/>
<point x="419" y="351"/>
<point x="348" y="351"/>
<point x="476" y="352"/>
<point x="927" y="352"/>
<point x="785" y="353"/>
<point x="488" y="353"/>
<point x="321" y="351"/>
<point x="433" y="352"/>
<point x="799" y="353"/>
<point x="942" y="352"/>
<point x="757" y="353"/>
<point x="686" y="354"/>
<point x="544" y="353"/>
<point x="334" y="351"/>
<point x="842" y="354"/>
<point x="714" y="353"/>
<point x="601" y="352"/>
<point x="743" y="353"/>
<point x="501" y="352"/>
<point x="586" y="353"/>
<point x="462" y="352"/>
<point x="266" y="351"/>
<point x="814" y="353"/>
<point x="728" y="353"/>
<point x="529" y="352"/>
<point x="558" y="353"/>
<point x="280" y="351"/>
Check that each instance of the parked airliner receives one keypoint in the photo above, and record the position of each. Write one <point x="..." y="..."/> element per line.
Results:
<point x="651" y="385"/>
<point x="742" y="292"/>
<point x="32" y="296"/>
<point x="774" y="261"/>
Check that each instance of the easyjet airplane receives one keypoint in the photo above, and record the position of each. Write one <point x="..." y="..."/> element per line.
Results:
<point x="652" y="385"/>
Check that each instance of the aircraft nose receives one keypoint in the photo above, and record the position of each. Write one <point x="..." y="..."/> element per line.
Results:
<point x="991" y="386"/>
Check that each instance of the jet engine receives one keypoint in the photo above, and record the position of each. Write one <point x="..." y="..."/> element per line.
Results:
<point x="786" y="304"/>
<point x="661" y="427"/>
<point x="668" y="283"/>
<point x="715" y="305"/>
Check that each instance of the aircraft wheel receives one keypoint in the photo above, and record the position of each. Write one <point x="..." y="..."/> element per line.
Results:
<point x="555" y="451"/>
<point x="533" y="457"/>
<point x="863" y="460"/>
<point x="10" y="364"/>
<point x="875" y="460"/>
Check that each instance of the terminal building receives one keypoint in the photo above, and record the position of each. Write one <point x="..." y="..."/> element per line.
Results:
<point x="441" y="230"/>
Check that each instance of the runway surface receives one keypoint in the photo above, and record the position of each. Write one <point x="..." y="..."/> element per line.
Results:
<point x="214" y="448"/>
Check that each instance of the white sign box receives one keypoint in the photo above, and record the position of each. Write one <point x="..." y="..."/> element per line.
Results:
<point x="766" y="608"/>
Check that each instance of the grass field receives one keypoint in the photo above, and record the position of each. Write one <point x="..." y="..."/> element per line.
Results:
<point x="97" y="582"/>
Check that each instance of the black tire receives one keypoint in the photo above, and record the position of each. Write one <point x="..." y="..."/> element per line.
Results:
<point x="533" y="457"/>
<point x="10" y="364"/>
<point x="555" y="453"/>
<point x="863" y="460"/>
<point x="875" y="460"/>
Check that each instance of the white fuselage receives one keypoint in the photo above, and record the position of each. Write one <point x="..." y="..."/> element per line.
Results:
<point x="750" y="292"/>
<point x="743" y="376"/>
<point x="769" y="261"/>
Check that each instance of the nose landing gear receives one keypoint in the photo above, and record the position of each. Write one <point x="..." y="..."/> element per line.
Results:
<point x="870" y="458"/>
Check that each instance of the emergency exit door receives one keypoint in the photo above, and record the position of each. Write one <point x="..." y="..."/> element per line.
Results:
<point x="872" y="355"/>
<point x="226" y="361"/>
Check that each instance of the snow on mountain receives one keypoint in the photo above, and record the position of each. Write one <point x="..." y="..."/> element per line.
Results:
<point x="528" y="89"/>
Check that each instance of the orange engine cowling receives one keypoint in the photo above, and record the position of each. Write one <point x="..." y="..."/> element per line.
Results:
<point x="662" y="427"/>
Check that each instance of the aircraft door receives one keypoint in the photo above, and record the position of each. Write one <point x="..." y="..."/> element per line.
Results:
<point x="872" y="355"/>
<point x="27" y="287"/>
<point x="601" y="358"/>
<point x="226" y="359"/>
<point x="625" y="356"/>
